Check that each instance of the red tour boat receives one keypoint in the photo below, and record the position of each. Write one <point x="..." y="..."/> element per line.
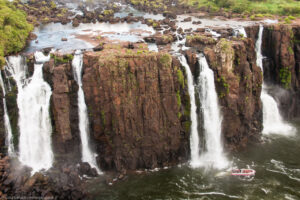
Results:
<point x="243" y="172"/>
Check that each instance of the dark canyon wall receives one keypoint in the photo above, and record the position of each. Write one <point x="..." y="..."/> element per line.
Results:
<point x="238" y="83"/>
<point x="281" y="63"/>
<point x="138" y="104"/>
<point x="138" y="108"/>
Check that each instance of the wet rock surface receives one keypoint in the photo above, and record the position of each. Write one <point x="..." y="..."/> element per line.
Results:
<point x="281" y="66"/>
<point x="58" y="183"/>
<point x="238" y="83"/>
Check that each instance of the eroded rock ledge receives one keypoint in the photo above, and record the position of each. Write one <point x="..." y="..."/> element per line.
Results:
<point x="138" y="108"/>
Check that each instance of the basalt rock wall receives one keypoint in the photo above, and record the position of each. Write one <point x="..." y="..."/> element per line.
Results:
<point x="281" y="48"/>
<point x="137" y="108"/>
<point x="238" y="84"/>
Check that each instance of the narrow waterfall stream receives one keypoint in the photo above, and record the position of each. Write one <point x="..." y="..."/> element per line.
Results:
<point x="194" y="138"/>
<point x="33" y="102"/>
<point x="212" y="119"/>
<point x="272" y="120"/>
<point x="7" y="126"/>
<point x="87" y="154"/>
<point x="240" y="31"/>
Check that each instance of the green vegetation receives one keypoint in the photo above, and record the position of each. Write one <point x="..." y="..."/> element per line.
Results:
<point x="290" y="49"/>
<point x="187" y="126"/>
<point x="275" y="7"/>
<point x="150" y="4"/>
<point x="200" y="39"/>
<point x="225" y="85"/>
<point x="103" y="120"/>
<point x="165" y="59"/>
<point x="14" y="30"/>
<point x="285" y="76"/>
<point x="108" y="12"/>
<point x="180" y="78"/>
<point x="225" y="46"/>
<point x="178" y="99"/>
<point x="62" y="59"/>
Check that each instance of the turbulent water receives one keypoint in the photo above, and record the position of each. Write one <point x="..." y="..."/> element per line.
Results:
<point x="33" y="102"/>
<point x="212" y="120"/>
<point x="194" y="138"/>
<point x="272" y="120"/>
<point x="87" y="154"/>
<point x="277" y="177"/>
<point x="7" y="126"/>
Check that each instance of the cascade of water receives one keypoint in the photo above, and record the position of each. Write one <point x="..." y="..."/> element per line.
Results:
<point x="9" y="137"/>
<point x="194" y="138"/>
<point x="33" y="102"/>
<point x="272" y="120"/>
<point x="213" y="156"/>
<point x="240" y="31"/>
<point x="87" y="154"/>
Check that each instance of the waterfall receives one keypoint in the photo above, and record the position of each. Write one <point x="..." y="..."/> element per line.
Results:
<point x="272" y="120"/>
<point x="194" y="137"/>
<point x="87" y="154"/>
<point x="7" y="126"/>
<point x="33" y="102"/>
<point x="239" y="31"/>
<point x="212" y="119"/>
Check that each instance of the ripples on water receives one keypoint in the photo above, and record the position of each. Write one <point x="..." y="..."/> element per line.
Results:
<point x="276" y="161"/>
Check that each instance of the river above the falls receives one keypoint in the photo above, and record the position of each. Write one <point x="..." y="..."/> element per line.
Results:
<point x="86" y="36"/>
<point x="277" y="177"/>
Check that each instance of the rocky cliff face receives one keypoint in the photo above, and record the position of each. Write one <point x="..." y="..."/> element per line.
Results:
<point x="138" y="103"/>
<point x="64" y="110"/>
<point x="136" y="113"/>
<point x="238" y="83"/>
<point x="281" y="47"/>
<point x="138" y="108"/>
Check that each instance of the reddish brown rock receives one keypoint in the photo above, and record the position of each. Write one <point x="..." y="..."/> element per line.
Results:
<point x="281" y="49"/>
<point x="64" y="109"/>
<point x="238" y="83"/>
<point x="134" y="110"/>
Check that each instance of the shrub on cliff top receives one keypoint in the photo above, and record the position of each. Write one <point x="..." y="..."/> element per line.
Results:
<point x="14" y="30"/>
<point x="281" y="7"/>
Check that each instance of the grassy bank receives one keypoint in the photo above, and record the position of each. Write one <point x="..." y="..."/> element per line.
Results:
<point x="14" y="30"/>
<point x="274" y="7"/>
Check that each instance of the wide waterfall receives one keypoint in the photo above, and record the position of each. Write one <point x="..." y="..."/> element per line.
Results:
<point x="212" y="120"/>
<point x="272" y="120"/>
<point x="33" y="102"/>
<point x="194" y="138"/>
<point x="87" y="154"/>
<point x="7" y="126"/>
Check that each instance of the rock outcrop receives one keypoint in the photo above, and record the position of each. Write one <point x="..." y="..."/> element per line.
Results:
<point x="135" y="108"/>
<point x="281" y="48"/>
<point x="238" y="83"/>
<point x="17" y="182"/>
<point x="281" y="51"/>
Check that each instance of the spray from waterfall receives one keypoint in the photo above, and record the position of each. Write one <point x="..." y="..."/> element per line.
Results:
<point x="213" y="156"/>
<point x="272" y="120"/>
<point x="33" y="102"/>
<point x="194" y="137"/>
<point x="87" y="154"/>
<point x="7" y="126"/>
